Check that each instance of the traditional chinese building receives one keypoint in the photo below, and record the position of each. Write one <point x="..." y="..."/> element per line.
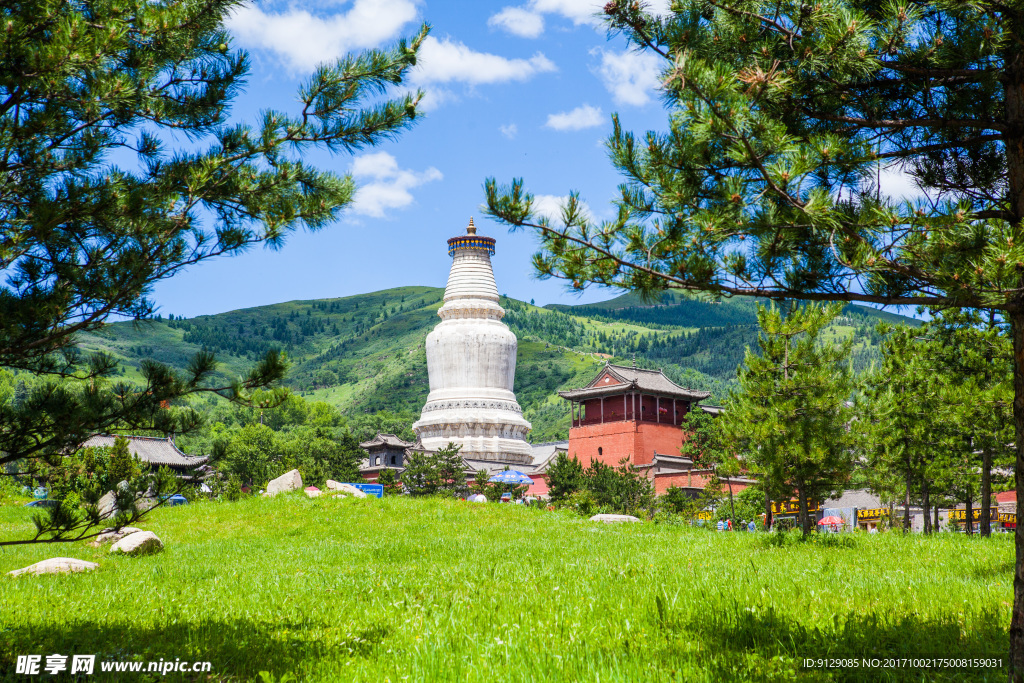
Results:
<point x="156" y="452"/>
<point x="384" y="451"/>
<point x="637" y="414"/>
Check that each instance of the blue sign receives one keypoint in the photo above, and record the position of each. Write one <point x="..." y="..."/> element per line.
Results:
<point x="371" y="489"/>
<point x="40" y="493"/>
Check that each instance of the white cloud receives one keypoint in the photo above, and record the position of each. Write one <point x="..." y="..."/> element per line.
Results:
<point x="388" y="186"/>
<point x="450" y="61"/>
<point x="579" y="11"/>
<point x="528" y="21"/>
<point x="303" y="40"/>
<point x="630" y="76"/>
<point x="509" y="131"/>
<point x="550" y="206"/>
<point x="579" y="118"/>
<point x="896" y="184"/>
<point x="518" y="21"/>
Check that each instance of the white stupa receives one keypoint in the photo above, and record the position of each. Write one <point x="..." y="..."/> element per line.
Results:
<point x="471" y="362"/>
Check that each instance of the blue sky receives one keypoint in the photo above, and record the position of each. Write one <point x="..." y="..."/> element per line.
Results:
<point x="513" y="90"/>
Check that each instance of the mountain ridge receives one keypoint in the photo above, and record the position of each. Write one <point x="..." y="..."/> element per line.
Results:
<point x="365" y="353"/>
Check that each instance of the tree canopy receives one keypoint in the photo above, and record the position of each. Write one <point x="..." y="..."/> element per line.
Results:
<point x="119" y="167"/>
<point x="783" y="117"/>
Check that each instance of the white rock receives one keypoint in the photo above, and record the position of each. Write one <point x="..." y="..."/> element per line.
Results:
<point x="110" y="534"/>
<point x="56" y="565"/>
<point x="106" y="505"/>
<point x="313" y="494"/>
<point x="139" y="543"/>
<point x="477" y="498"/>
<point x="344" y="488"/>
<point x="289" y="481"/>
<point x="610" y="519"/>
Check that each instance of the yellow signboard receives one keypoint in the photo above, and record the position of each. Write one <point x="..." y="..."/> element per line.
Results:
<point x="706" y="515"/>
<point x="1007" y="518"/>
<point x="961" y="515"/>
<point x="872" y="513"/>
<point x="791" y="507"/>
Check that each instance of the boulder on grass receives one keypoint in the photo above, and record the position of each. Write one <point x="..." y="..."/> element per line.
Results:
<point x="344" y="488"/>
<point x="110" y="535"/>
<point x="106" y="505"/>
<point x="56" y="565"/>
<point x="289" y="481"/>
<point x="611" y="519"/>
<point x="139" y="543"/>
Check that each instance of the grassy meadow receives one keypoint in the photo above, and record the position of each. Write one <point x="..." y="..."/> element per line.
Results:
<point x="399" y="589"/>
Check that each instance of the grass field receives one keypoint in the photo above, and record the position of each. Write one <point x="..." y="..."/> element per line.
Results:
<point x="428" y="590"/>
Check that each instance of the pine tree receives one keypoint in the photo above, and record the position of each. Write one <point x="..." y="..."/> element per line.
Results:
<point x="122" y="466"/>
<point x="705" y="445"/>
<point x="420" y="475"/>
<point x="451" y="470"/>
<point x="565" y="477"/>
<point x="790" y="415"/>
<point x="905" y="418"/>
<point x="389" y="480"/>
<point x="779" y="112"/>
<point x="81" y="84"/>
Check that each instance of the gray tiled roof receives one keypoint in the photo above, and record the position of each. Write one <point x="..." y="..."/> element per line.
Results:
<point x="151" y="449"/>
<point x="635" y="379"/>
<point x="855" y="498"/>
<point x="386" y="440"/>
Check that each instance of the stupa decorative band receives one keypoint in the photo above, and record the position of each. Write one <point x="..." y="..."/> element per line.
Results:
<point x="471" y="242"/>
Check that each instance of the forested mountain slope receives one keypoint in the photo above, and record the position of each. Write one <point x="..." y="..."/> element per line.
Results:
<point x="365" y="353"/>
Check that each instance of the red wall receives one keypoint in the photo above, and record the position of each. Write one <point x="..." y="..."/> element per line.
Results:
<point x="617" y="440"/>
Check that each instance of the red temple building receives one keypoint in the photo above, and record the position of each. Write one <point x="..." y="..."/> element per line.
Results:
<point x="637" y="414"/>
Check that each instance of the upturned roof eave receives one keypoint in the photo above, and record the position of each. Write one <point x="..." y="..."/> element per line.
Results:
<point x="613" y="389"/>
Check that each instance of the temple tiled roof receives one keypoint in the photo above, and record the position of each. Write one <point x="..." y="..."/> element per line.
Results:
<point x="152" y="450"/>
<point x="386" y="440"/>
<point x="615" y="379"/>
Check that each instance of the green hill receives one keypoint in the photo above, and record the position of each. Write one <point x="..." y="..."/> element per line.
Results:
<point x="365" y="353"/>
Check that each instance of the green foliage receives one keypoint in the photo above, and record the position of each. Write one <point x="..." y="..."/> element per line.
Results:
<point x="121" y="168"/>
<point x="937" y="412"/>
<point x="250" y="454"/>
<point x="565" y="477"/>
<point x="679" y="502"/>
<point x="122" y="465"/>
<point x="389" y="480"/>
<point x="600" y="487"/>
<point x="790" y="418"/>
<point x="438" y="472"/>
<point x="704" y="442"/>
<point x="480" y="485"/>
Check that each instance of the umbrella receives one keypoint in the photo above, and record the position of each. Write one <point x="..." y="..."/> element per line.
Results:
<point x="832" y="519"/>
<point x="510" y="477"/>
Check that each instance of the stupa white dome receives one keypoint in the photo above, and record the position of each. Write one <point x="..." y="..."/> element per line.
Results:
<point x="471" y="363"/>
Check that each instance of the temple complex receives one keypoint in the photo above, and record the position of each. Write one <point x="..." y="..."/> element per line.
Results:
<point x="633" y="414"/>
<point x="471" y="365"/>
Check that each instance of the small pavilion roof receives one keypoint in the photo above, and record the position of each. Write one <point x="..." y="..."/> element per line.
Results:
<point x="153" y="450"/>
<point x="616" y="379"/>
<point x="391" y="440"/>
